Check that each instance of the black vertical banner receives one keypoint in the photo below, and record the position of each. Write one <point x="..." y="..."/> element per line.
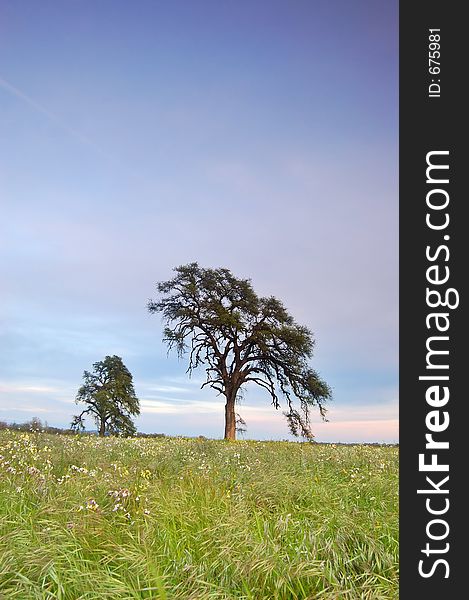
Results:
<point x="433" y="254"/>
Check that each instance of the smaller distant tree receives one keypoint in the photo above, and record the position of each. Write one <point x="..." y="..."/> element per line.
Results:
<point x="109" y="394"/>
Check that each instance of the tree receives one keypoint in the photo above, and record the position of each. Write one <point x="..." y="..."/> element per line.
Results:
<point x="240" y="338"/>
<point x="109" y="393"/>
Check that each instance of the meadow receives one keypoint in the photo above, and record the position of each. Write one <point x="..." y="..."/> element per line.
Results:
<point x="83" y="517"/>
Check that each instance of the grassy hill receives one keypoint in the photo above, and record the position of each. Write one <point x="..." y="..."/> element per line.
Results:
<point x="173" y="518"/>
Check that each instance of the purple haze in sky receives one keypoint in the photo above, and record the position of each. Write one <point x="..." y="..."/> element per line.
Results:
<point x="259" y="136"/>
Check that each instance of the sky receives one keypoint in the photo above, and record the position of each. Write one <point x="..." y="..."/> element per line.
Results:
<point x="259" y="136"/>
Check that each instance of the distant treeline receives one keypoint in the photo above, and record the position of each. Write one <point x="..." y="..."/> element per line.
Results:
<point x="36" y="425"/>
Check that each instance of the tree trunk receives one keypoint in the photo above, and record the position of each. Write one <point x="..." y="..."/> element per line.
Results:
<point x="230" y="417"/>
<point x="102" y="428"/>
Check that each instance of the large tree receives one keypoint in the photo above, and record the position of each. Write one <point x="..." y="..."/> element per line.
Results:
<point x="240" y="337"/>
<point x="110" y="397"/>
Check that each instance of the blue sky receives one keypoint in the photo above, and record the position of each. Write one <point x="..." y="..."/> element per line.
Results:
<point x="259" y="136"/>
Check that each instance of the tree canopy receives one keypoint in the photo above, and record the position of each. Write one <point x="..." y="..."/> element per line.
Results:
<point x="109" y="394"/>
<point x="221" y="323"/>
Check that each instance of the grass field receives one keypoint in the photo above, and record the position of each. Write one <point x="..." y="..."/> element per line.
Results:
<point x="173" y="518"/>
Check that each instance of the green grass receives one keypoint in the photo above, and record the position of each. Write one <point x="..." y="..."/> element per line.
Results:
<point x="83" y="518"/>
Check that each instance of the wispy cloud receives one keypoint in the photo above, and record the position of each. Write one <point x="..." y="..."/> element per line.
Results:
<point x="358" y="431"/>
<point x="26" y="408"/>
<point x="71" y="131"/>
<point x="18" y="388"/>
<point x="59" y="390"/>
<point x="13" y="90"/>
<point x="188" y="407"/>
<point x="165" y="389"/>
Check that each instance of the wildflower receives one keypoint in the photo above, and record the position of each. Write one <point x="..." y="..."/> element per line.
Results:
<point x="121" y="493"/>
<point x="92" y="505"/>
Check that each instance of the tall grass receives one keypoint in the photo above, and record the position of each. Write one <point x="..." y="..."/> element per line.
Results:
<point x="169" y="519"/>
